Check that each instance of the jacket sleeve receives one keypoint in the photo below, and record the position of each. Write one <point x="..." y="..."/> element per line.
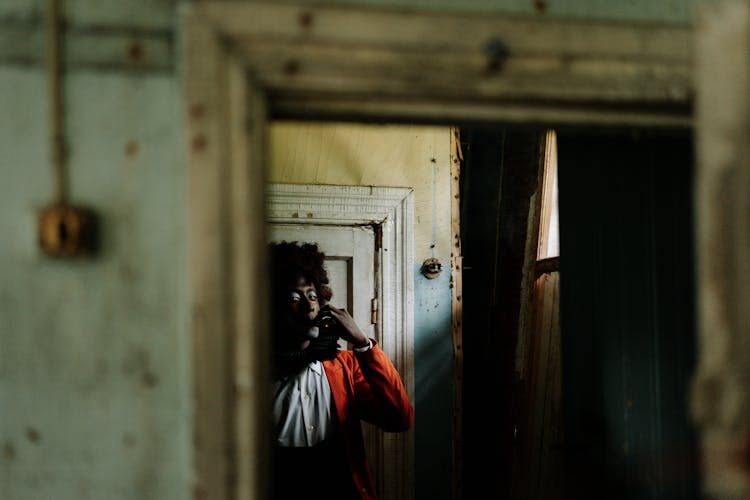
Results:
<point x="380" y="396"/>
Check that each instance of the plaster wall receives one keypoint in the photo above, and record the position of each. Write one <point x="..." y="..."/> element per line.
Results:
<point x="417" y="157"/>
<point x="93" y="353"/>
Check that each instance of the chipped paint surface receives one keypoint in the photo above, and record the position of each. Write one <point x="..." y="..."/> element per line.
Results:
<point x="93" y="380"/>
<point x="372" y="155"/>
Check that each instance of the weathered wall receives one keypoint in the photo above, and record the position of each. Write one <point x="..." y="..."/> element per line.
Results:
<point x="93" y="375"/>
<point x="373" y="155"/>
<point x="93" y="354"/>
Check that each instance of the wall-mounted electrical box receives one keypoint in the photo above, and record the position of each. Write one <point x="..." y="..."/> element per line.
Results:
<point x="68" y="231"/>
<point x="431" y="268"/>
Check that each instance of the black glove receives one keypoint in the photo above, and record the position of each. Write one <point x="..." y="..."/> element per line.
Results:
<point x="322" y="348"/>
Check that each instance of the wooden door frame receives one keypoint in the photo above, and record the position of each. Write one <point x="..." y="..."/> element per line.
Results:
<point x="720" y="399"/>
<point x="245" y="63"/>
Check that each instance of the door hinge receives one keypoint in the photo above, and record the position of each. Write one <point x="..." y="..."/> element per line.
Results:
<point x="374" y="311"/>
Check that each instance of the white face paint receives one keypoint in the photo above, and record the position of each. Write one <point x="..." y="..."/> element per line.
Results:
<point x="304" y="308"/>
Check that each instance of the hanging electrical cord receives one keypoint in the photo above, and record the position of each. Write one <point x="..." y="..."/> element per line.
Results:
<point x="432" y="267"/>
<point x="64" y="230"/>
<point x="53" y="74"/>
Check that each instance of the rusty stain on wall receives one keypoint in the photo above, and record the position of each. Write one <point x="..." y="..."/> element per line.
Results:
<point x="33" y="435"/>
<point x="131" y="149"/>
<point x="135" y="52"/>
<point x="9" y="452"/>
<point x="305" y="19"/>
<point x="197" y="111"/>
<point x="292" y="67"/>
<point x="540" y="5"/>
<point x="199" y="143"/>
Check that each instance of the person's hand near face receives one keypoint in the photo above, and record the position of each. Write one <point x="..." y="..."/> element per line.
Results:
<point x="348" y="330"/>
<point x="304" y="306"/>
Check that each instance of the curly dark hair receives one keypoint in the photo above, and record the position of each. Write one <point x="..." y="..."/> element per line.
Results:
<point x="292" y="260"/>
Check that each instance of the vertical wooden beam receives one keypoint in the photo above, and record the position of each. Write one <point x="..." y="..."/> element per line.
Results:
<point x="525" y="359"/>
<point x="530" y="254"/>
<point x="226" y="144"/>
<point x="251" y="406"/>
<point x="208" y="243"/>
<point x="721" y="400"/>
<point x="457" y="312"/>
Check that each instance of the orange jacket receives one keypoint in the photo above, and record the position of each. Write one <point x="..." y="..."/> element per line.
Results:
<point x="366" y="386"/>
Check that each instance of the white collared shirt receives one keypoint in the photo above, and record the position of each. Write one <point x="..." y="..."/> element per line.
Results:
<point x="302" y="407"/>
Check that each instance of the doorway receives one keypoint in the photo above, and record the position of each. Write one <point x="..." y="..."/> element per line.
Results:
<point x="367" y="234"/>
<point x="521" y="95"/>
